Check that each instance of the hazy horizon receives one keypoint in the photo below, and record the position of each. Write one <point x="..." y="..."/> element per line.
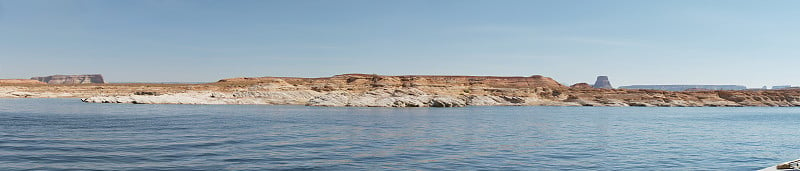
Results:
<point x="746" y="43"/>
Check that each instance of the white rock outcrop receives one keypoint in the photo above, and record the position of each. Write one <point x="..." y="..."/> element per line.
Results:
<point x="289" y="97"/>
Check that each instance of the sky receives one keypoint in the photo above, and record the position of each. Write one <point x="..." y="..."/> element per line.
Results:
<point x="752" y="43"/>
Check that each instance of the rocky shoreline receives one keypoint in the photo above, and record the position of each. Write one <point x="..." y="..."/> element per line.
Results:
<point x="361" y="90"/>
<point x="377" y="98"/>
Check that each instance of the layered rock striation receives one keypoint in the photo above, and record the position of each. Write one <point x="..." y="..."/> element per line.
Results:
<point x="362" y="90"/>
<point x="71" y="79"/>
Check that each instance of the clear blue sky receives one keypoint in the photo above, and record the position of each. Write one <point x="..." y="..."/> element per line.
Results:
<point x="751" y="43"/>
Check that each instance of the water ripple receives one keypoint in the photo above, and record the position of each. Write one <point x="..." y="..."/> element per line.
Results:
<point x="64" y="134"/>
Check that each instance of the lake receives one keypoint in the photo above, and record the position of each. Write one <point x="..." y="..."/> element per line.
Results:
<point x="66" y="134"/>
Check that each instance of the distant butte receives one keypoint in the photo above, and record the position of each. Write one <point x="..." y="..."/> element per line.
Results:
<point x="72" y="79"/>
<point x="602" y="82"/>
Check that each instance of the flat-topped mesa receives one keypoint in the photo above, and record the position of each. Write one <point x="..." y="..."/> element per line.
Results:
<point x="369" y="81"/>
<point x="365" y="90"/>
<point x="71" y="79"/>
<point x="685" y="87"/>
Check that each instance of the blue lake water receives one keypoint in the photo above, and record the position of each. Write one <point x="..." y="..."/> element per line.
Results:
<point x="56" y="134"/>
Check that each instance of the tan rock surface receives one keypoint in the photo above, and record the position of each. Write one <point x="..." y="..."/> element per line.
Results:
<point x="362" y="90"/>
<point x="19" y="81"/>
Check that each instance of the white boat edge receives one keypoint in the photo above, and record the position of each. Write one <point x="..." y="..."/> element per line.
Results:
<point x="775" y="168"/>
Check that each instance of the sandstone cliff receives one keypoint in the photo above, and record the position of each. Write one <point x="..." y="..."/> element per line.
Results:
<point x="361" y="90"/>
<point x="71" y="79"/>
<point x="365" y="82"/>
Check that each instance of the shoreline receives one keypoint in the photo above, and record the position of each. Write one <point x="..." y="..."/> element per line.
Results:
<point x="79" y="99"/>
<point x="362" y="90"/>
<point x="377" y="107"/>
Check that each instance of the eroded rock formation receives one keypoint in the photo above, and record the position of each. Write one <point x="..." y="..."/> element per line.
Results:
<point x="361" y="90"/>
<point x="602" y="82"/>
<point x="71" y="79"/>
<point x="581" y="86"/>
